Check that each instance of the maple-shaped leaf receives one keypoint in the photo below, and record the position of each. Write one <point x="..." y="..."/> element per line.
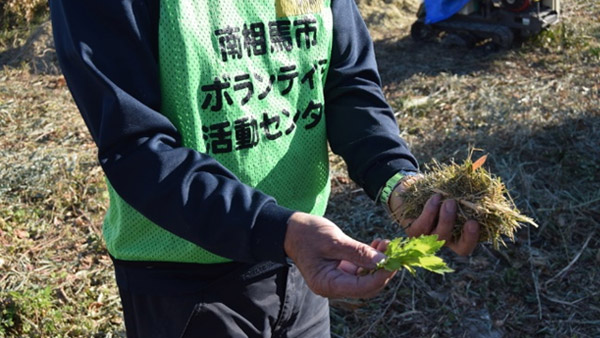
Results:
<point x="416" y="252"/>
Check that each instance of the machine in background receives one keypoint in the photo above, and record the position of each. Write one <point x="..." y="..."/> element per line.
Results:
<point x="502" y="21"/>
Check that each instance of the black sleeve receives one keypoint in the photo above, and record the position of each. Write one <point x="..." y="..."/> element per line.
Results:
<point x="361" y="126"/>
<point x="107" y="50"/>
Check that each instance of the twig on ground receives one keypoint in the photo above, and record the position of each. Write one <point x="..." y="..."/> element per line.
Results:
<point x="534" y="277"/>
<point x="566" y="268"/>
<point x="573" y="303"/>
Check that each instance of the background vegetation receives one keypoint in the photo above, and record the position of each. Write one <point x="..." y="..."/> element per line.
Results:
<point x="535" y="109"/>
<point x="15" y="13"/>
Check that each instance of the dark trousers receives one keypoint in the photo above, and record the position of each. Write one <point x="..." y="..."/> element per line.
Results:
<point x="222" y="300"/>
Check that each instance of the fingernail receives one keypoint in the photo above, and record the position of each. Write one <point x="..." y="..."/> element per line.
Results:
<point x="471" y="227"/>
<point x="437" y="198"/>
<point x="378" y="258"/>
<point x="450" y="206"/>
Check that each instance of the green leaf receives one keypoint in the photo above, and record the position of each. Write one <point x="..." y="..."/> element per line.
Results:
<point x="434" y="264"/>
<point x="416" y="252"/>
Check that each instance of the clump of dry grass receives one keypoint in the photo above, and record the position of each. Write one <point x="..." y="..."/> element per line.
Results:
<point x="480" y="196"/>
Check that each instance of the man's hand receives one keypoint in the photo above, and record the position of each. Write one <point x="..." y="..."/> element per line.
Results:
<point x="330" y="261"/>
<point x="438" y="218"/>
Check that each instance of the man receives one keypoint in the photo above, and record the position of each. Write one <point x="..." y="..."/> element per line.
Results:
<point x="212" y="120"/>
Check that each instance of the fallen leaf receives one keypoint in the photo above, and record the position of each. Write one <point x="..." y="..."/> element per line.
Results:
<point x="21" y="234"/>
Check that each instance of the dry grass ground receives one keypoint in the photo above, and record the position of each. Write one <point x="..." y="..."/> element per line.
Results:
<point x="55" y="275"/>
<point x="535" y="109"/>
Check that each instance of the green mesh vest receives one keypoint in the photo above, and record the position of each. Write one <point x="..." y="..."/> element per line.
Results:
<point x="243" y="82"/>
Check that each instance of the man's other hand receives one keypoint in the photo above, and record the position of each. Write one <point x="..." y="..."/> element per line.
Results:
<point x="331" y="262"/>
<point x="437" y="218"/>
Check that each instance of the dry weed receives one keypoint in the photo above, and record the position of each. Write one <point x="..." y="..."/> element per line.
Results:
<point x="56" y="277"/>
<point x="480" y="196"/>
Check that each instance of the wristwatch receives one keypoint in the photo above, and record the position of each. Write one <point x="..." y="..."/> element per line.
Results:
<point x="391" y="184"/>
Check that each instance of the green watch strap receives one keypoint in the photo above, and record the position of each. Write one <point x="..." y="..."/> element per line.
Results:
<point x="390" y="185"/>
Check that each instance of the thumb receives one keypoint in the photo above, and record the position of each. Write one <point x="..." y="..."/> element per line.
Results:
<point x="362" y="255"/>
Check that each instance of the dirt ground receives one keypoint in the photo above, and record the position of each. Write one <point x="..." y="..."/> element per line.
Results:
<point x="534" y="109"/>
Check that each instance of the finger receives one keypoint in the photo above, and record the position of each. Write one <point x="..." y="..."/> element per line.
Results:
<point x="424" y="224"/>
<point x="365" y="286"/>
<point x="446" y="221"/>
<point x="380" y="278"/>
<point x="382" y="245"/>
<point x="355" y="252"/>
<point x="468" y="239"/>
<point x="375" y="243"/>
<point x="348" y="267"/>
<point x="378" y="244"/>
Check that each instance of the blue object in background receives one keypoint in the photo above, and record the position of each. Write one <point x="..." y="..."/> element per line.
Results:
<point x="438" y="10"/>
